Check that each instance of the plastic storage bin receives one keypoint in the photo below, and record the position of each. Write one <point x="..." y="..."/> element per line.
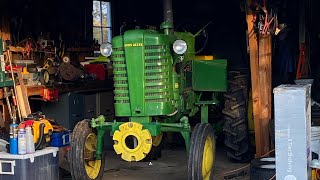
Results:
<point x="60" y="139"/>
<point x="43" y="164"/>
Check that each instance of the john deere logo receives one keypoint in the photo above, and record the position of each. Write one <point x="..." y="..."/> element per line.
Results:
<point x="133" y="44"/>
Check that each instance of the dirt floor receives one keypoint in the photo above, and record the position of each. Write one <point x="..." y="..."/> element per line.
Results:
<point x="171" y="166"/>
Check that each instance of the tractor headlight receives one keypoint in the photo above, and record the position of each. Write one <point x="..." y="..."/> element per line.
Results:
<point x="179" y="46"/>
<point x="106" y="49"/>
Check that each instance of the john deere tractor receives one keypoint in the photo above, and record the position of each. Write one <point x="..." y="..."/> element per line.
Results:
<point x="159" y="83"/>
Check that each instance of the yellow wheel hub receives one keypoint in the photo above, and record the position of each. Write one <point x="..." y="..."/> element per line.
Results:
<point x="92" y="165"/>
<point x="156" y="140"/>
<point x="143" y="141"/>
<point x="208" y="158"/>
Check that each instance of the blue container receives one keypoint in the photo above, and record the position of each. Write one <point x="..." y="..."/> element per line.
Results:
<point x="13" y="146"/>
<point x="60" y="139"/>
<point x="13" y="138"/>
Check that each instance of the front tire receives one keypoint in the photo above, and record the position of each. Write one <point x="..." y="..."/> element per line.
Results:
<point x="156" y="150"/>
<point x="202" y="153"/>
<point x="83" y="164"/>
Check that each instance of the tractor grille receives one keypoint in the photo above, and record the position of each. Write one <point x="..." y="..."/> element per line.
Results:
<point x="121" y="92"/>
<point x="156" y="54"/>
<point x="157" y="73"/>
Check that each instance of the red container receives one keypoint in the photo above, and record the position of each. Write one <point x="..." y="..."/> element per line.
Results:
<point x="97" y="69"/>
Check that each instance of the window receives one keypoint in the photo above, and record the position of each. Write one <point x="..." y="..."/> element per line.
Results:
<point x="102" y="21"/>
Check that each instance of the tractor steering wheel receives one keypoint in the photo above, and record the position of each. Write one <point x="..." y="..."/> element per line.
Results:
<point x="199" y="31"/>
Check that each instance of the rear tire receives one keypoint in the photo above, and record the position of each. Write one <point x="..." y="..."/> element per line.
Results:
<point x="80" y="168"/>
<point x="236" y="133"/>
<point x="202" y="153"/>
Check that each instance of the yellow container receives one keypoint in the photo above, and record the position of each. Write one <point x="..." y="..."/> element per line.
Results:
<point x="205" y="58"/>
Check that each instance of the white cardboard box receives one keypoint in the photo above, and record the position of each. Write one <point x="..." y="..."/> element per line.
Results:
<point x="292" y="108"/>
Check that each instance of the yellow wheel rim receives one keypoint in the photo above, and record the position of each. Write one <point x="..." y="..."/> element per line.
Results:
<point x="46" y="76"/>
<point x="156" y="140"/>
<point x="208" y="158"/>
<point x="143" y="137"/>
<point x="91" y="164"/>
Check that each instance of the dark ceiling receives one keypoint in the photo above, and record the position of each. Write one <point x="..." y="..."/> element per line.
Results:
<point x="73" y="19"/>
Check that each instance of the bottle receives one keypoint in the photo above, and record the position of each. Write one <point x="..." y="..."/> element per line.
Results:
<point x="30" y="141"/>
<point x="22" y="143"/>
<point x="13" y="139"/>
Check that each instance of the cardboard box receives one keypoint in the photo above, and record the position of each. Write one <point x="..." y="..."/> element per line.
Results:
<point x="292" y="107"/>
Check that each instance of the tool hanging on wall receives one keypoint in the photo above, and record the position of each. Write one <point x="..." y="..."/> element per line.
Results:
<point x="301" y="70"/>
<point x="265" y="18"/>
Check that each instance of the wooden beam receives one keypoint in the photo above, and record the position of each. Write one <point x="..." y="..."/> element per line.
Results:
<point x="254" y="68"/>
<point x="260" y="67"/>
<point x="265" y="91"/>
<point x="22" y="96"/>
<point x="35" y="90"/>
<point x="17" y="49"/>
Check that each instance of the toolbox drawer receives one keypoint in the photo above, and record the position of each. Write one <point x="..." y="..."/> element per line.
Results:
<point x="90" y="106"/>
<point x="67" y="111"/>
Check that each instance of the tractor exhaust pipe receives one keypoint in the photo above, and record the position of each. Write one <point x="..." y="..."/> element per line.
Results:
<point x="167" y="11"/>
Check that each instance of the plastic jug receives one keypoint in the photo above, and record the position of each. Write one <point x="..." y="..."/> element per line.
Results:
<point x="30" y="141"/>
<point x="22" y="143"/>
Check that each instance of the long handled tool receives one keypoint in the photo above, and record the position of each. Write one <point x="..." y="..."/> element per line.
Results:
<point x="6" y="94"/>
<point x="14" y="85"/>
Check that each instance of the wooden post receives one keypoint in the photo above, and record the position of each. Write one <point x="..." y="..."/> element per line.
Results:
<point x="260" y="66"/>
<point x="265" y="91"/>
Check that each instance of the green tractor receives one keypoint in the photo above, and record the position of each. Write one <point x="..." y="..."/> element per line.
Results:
<point x="159" y="83"/>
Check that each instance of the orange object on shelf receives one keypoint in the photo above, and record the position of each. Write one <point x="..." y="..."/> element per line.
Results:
<point x="49" y="94"/>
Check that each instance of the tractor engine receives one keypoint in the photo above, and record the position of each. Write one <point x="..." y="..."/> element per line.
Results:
<point x="144" y="79"/>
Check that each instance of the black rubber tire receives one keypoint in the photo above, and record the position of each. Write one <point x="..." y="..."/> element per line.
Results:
<point x="236" y="132"/>
<point x="32" y="68"/>
<point x="191" y="150"/>
<point x="155" y="152"/>
<point x="198" y="139"/>
<point x="258" y="172"/>
<point x="42" y="80"/>
<point x="79" y="135"/>
<point x="63" y="174"/>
